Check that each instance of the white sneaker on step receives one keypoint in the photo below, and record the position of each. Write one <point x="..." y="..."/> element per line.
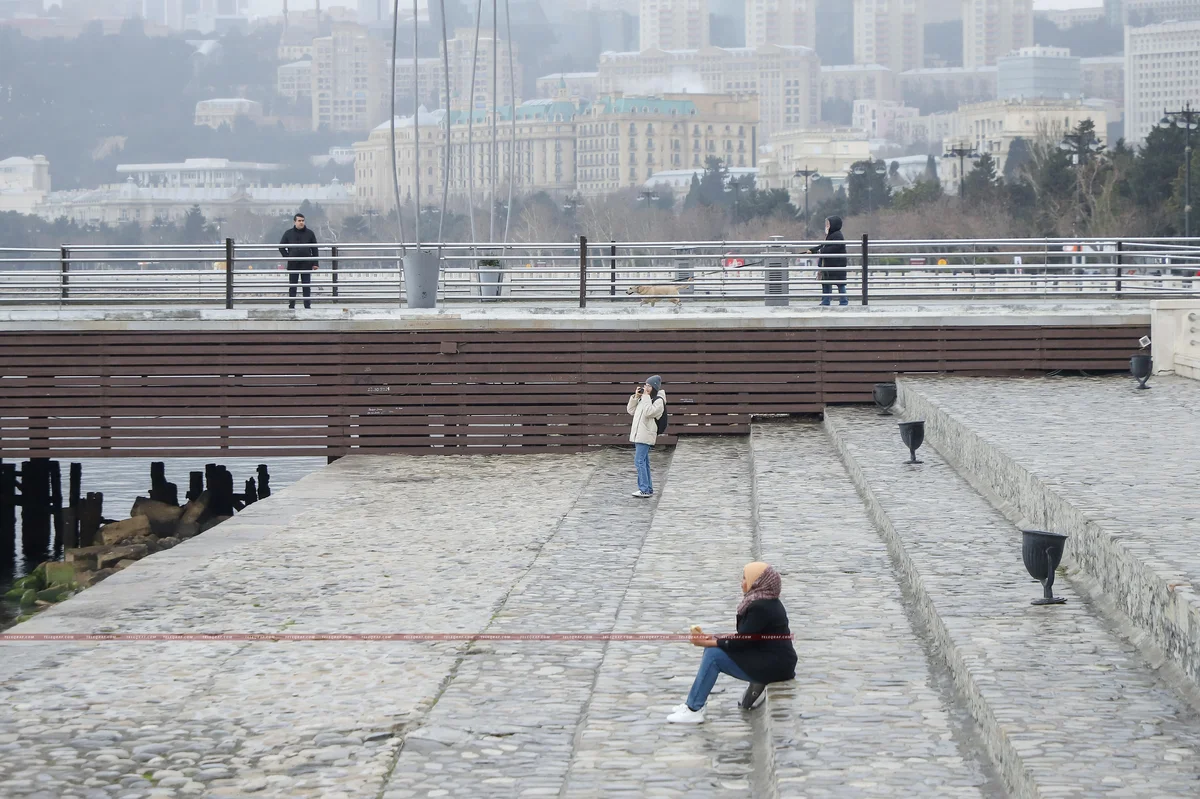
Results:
<point x="687" y="716"/>
<point x="641" y="494"/>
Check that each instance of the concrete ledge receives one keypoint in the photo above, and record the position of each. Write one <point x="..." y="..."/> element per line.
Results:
<point x="1158" y="599"/>
<point x="1005" y="754"/>
<point x="623" y="316"/>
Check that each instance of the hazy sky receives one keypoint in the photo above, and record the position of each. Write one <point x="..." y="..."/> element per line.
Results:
<point x="268" y="7"/>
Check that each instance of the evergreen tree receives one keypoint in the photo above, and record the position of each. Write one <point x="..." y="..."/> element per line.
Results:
<point x="979" y="185"/>
<point x="1019" y="157"/>
<point x="931" y="170"/>
<point x="692" y="200"/>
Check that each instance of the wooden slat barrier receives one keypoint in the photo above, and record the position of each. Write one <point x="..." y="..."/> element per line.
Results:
<point x="184" y="393"/>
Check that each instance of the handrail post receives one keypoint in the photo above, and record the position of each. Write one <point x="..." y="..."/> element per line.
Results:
<point x="612" y="271"/>
<point x="228" y="274"/>
<point x="583" y="249"/>
<point x="64" y="263"/>
<point x="864" y="270"/>
<point x="333" y="268"/>
<point x="1120" y="263"/>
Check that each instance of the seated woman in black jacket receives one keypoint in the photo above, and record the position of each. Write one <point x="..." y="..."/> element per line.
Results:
<point x="760" y="653"/>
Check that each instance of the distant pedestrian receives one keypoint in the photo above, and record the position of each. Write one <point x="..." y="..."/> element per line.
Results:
<point x="647" y="406"/>
<point x="299" y="247"/>
<point x="833" y="263"/>
<point x="759" y="654"/>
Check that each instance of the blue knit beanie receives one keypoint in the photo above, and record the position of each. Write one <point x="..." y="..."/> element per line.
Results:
<point x="655" y="382"/>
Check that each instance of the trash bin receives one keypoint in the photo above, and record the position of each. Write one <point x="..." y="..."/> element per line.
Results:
<point x="685" y="269"/>
<point x="421" y="268"/>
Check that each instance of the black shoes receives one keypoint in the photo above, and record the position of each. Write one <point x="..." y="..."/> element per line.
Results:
<point x="756" y="694"/>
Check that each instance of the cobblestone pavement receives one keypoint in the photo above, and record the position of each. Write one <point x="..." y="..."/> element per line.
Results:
<point x="371" y="544"/>
<point x="506" y="722"/>
<point x="689" y="572"/>
<point x="1067" y="707"/>
<point x="1126" y="457"/>
<point x="864" y="717"/>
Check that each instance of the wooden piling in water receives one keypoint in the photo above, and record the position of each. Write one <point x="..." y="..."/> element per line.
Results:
<point x="195" y="485"/>
<point x="8" y="516"/>
<point x="70" y="514"/>
<point x="264" y="481"/>
<point x="91" y="511"/>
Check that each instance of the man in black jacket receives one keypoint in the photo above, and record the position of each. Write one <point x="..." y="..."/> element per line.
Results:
<point x="299" y="247"/>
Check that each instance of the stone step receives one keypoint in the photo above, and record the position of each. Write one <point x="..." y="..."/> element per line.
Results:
<point x="688" y="572"/>
<point x="505" y="722"/>
<point x="864" y="716"/>
<point x="1112" y="467"/>
<point x="1065" y="706"/>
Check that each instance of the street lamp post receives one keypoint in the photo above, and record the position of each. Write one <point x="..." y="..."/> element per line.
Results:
<point x="807" y="174"/>
<point x="1188" y="119"/>
<point x="865" y="169"/>
<point x="647" y="196"/>
<point x="571" y="203"/>
<point x="962" y="153"/>
<point x="737" y="187"/>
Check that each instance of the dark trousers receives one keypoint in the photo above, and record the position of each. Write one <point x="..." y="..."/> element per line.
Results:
<point x="827" y="292"/>
<point x="304" y="276"/>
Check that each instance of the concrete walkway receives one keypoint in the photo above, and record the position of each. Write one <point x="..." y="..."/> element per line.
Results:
<point x="923" y="669"/>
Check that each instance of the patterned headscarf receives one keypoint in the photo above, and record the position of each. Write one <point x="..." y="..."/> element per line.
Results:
<point x="767" y="586"/>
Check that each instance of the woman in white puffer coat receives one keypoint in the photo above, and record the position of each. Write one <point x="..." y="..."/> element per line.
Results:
<point x="646" y="406"/>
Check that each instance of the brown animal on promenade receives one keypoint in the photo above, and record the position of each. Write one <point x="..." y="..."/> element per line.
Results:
<point x="652" y="294"/>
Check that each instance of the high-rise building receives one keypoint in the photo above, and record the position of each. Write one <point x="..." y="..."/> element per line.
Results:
<point x="787" y="79"/>
<point x="674" y="24"/>
<point x="1031" y="72"/>
<point x="890" y="33"/>
<point x="508" y="81"/>
<point x="1162" y="72"/>
<point x="781" y="22"/>
<point x="349" y="80"/>
<point x="1149" y="12"/>
<point x="994" y="28"/>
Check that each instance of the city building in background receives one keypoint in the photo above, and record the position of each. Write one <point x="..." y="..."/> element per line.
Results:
<point x="1039" y="72"/>
<point x="786" y="79"/>
<point x="1149" y="12"/>
<point x="850" y="82"/>
<point x="781" y="22"/>
<point x="624" y="140"/>
<point x="294" y="80"/>
<point x="994" y="28"/>
<point x="831" y="152"/>
<point x="509" y="81"/>
<point x="578" y="85"/>
<point x="1162" y="71"/>
<point x="431" y="78"/>
<point x="992" y="127"/>
<point x="24" y="183"/>
<point x="545" y="155"/>
<point x="349" y="80"/>
<point x="1070" y="17"/>
<point x="200" y="173"/>
<point x="1104" y="77"/>
<point x="948" y="86"/>
<point x="226" y="111"/>
<point x="130" y="203"/>
<point x="877" y="118"/>
<point x="890" y="33"/>
<point x="674" y="24"/>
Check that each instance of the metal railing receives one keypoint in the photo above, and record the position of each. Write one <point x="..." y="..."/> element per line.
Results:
<point x="773" y="272"/>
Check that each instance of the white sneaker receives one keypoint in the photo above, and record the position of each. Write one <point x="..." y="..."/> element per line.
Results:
<point x="687" y="716"/>
<point x="682" y="706"/>
<point x="641" y="495"/>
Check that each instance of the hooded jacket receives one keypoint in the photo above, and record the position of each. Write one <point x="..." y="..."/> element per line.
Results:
<point x="303" y="256"/>
<point x="833" y="269"/>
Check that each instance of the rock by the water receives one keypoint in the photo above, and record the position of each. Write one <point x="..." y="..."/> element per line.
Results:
<point x="84" y="558"/>
<point x="163" y="517"/>
<point x="100" y="575"/>
<point x="118" y="554"/>
<point x="117" y="532"/>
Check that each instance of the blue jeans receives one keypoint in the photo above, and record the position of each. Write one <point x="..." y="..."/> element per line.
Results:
<point x="827" y="291"/>
<point x="715" y="661"/>
<point x="641" y="458"/>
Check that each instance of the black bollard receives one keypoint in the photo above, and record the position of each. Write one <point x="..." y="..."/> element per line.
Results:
<point x="35" y="510"/>
<point x="56" y="495"/>
<point x="264" y="482"/>
<point x="70" y="514"/>
<point x="91" y="511"/>
<point x="8" y="517"/>
<point x="195" y="485"/>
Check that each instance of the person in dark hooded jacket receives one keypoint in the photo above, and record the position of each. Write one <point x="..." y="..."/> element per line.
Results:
<point x="833" y="262"/>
